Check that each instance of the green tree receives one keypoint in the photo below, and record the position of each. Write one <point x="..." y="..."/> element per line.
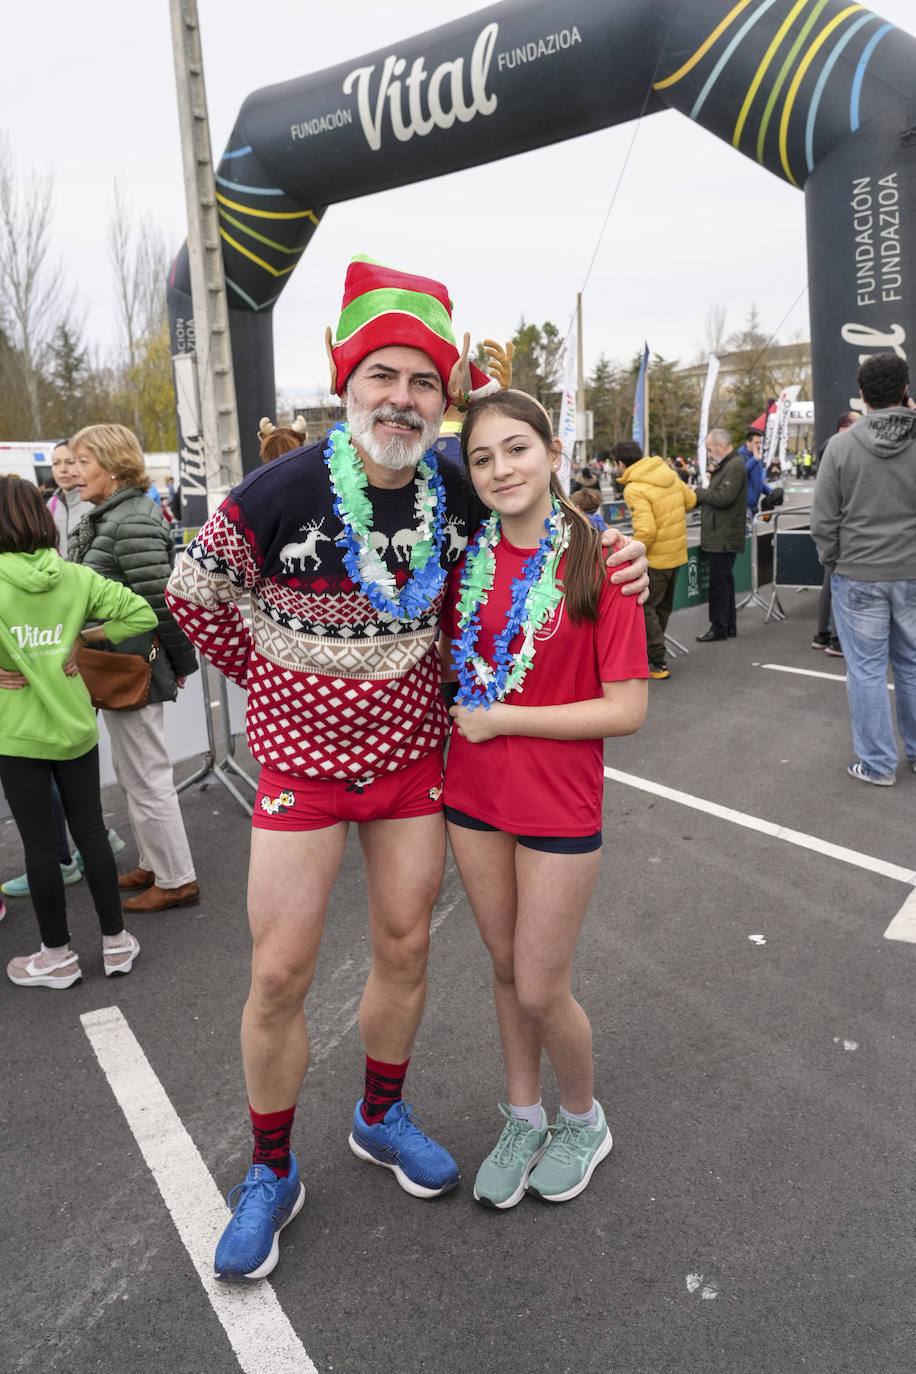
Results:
<point x="151" y="392"/>
<point x="674" y="409"/>
<point x="536" y="367"/>
<point x="64" y="403"/>
<point x="609" y="397"/>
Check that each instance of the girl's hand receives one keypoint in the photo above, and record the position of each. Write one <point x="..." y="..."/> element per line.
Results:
<point x="480" y="725"/>
<point x="11" y="680"/>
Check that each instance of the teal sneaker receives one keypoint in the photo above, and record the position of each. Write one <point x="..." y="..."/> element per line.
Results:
<point x="503" y="1176"/>
<point x="19" y="887"/>
<point x="571" y="1158"/>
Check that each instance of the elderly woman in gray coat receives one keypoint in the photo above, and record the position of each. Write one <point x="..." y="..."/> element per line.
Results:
<point x="126" y="538"/>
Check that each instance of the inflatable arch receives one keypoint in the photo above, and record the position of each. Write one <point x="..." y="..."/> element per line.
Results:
<point x="820" y="92"/>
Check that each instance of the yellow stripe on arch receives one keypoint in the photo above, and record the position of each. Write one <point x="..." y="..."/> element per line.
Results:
<point x="797" y="79"/>
<point x="274" y="271"/>
<point x="703" y="49"/>
<point x="762" y="69"/>
<point x="267" y="214"/>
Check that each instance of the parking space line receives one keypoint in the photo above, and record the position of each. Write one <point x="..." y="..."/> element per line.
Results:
<point x="809" y="672"/>
<point x="763" y="827"/>
<point x="903" y="926"/>
<point x="258" y="1329"/>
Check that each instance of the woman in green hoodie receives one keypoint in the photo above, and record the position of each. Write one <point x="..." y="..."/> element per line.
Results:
<point x="48" y="727"/>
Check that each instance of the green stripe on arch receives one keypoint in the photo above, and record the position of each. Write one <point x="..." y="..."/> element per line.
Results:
<point x="371" y="304"/>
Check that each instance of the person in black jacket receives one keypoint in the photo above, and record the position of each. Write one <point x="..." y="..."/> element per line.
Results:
<point x="127" y="539"/>
<point x="722" y="531"/>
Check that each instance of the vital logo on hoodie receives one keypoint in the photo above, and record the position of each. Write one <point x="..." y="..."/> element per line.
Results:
<point x="30" y="637"/>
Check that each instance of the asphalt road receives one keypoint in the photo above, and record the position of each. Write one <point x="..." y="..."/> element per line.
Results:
<point x="754" y="1035"/>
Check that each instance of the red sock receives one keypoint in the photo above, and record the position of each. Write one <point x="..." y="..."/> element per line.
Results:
<point x="384" y="1084"/>
<point x="272" y="1131"/>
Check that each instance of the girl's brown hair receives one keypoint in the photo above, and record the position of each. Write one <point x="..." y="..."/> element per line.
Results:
<point x="584" y="569"/>
<point x="26" y="524"/>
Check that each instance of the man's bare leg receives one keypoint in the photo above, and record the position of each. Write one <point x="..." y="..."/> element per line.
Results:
<point x="405" y="861"/>
<point x="289" y="882"/>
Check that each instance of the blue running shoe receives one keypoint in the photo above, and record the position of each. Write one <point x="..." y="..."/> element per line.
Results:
<point x="422" y="1167"/>
<point x="261" y="1207"/>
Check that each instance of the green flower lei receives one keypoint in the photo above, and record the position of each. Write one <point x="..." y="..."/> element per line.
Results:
<point x="362" y="561"/>
<point x="535" y="595"/>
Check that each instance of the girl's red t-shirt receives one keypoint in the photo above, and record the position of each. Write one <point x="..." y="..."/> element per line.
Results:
<point x="531" y="786"/>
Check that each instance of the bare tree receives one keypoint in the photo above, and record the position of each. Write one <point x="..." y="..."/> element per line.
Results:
<point x="31" y="292"/>
<point x="140" y="265"/>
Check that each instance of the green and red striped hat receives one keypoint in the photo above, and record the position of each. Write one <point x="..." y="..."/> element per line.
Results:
<point x="383" y="308"/>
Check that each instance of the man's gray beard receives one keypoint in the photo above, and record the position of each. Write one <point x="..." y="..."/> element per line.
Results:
<point x="401" y="451"/>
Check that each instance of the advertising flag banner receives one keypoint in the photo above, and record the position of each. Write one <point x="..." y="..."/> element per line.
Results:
<point x="783" y="408"/>
<point x="639" y="401"/>
<point x="712" y="373"/>
<point x="566" y="432"/>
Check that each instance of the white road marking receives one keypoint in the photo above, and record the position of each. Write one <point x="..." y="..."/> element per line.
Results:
<point x="903" y="926"/>
<point x="809" y="672"/>
<point x="258" y="1329"/>
<point x="695" y="1284"/>
<point x="762" y="827"/>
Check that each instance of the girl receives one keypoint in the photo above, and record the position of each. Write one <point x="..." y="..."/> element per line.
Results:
<point x="48" y="728"/>
<point x="551" y="659"/>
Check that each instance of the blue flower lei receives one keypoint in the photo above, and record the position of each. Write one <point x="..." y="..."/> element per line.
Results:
<point x="534" y="596"/>
<point x="363" y="563"/>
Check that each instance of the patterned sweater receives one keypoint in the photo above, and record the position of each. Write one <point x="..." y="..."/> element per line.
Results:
<point x="336" y="689"/>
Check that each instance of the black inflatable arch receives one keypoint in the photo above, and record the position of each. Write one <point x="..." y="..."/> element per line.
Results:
<point x="820" y="92"/>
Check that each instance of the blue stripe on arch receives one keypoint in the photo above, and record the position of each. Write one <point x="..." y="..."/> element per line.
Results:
<point x="822" y="82"/>
<point x="717" y="69"/>
<point x="248" y="299"/>
<point x="860" y="76"/>
<point x="252" y="190"/>
<point x="237" y="152"/>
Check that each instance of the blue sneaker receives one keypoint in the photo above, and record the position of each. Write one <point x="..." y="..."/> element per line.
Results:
<point x="261" y="1207"/>
<point x="19" y="887"/>
<point x="422" y="1167"/>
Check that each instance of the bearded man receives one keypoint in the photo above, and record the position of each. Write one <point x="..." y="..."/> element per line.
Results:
<point x="343" y="547"/>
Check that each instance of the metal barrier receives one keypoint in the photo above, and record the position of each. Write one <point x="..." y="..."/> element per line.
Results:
<point x="213" y="767"/>
<point x="762" y="541"/>
<point x="795" y="560"/>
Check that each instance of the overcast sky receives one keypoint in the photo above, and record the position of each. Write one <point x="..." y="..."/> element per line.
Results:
<point x="88" y="95"/>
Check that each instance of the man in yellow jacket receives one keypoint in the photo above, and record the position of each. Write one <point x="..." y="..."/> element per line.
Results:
<point x="658" y="500"/>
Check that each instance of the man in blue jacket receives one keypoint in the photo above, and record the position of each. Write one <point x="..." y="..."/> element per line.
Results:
<point x="756" y="478"/>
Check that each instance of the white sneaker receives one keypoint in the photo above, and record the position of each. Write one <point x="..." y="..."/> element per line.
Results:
<point x="45" y="970"/>
<point x="120" y="958"/>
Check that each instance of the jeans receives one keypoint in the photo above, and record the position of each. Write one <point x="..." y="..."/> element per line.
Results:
<point x="876" y="622"/>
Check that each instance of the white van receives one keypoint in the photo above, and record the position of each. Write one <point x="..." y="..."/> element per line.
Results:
<point x="32" y="461"/>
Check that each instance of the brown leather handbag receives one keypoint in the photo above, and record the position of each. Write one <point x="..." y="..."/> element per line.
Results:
<point x="116" y="682"/>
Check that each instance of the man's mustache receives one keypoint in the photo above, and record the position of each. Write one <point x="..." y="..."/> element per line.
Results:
<point x="390" y="415"/>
